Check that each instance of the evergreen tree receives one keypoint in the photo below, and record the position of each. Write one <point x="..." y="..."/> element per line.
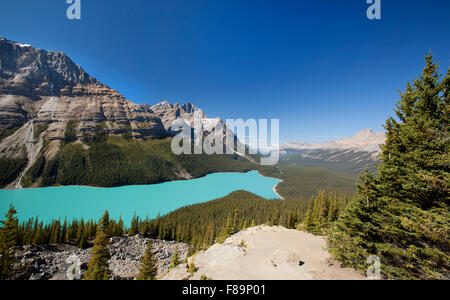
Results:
<point x="192" y="268"/>
<point x="245" y="225"/>
<point x="79" y="232"/>
<point x="55" y="233"/>
<point x="134" y="229"/>
<point x="98" y="265"/>
<point x="119" y="231"/>
<point x="175" y="259"/>
<point x="83" y="243"/>
<point x="309" y="222"/>
<point x="401" y="214"/>
<point x="148" y="268"/>
<point x="63" y="232"/>
<point x="226" y="231"/>
<point x="8" y="240"/>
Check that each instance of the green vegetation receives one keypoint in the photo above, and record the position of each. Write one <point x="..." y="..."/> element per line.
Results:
<point x="116" y="161"/>
<point x="175" y="261"/>
<point x="323" y="211"/>
<point x="39" y="129"/>
<point x="148" y="265"/>
<point x="226" y="231"/>
<point x="401" y="213"/>
<point x="36" y="169"/>
<point x="199" y="225"/>
<point x="107" y="164"/>
<point x="303" y="183"/>
<point x="69" y="134"/>
<point x="202" y="224"/>
<point x="192" y="268"/>
<point x="7" y="132"/>
<point x="200" y="165"/>
<point x="78" y="232"/>
<point x="347" y="161"/>
<point x="8" y="240"/>
<point x="98" y="265"/>
<point x="11" y="168"/>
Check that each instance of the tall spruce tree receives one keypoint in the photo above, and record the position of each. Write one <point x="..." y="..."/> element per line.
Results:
<point x="8" y="240"/>
<point x="148" y="268"/>
<point x="98" y="265"/>
<point x="226" y="231"/>
<point x="401" y="214"/>
<point x="175" y="261"/>
<point x="134" y="229"/>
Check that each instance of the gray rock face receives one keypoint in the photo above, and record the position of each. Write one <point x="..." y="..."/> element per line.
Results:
<point x="168" y="113"/>
<point x="48" y="88"/>
<point x="33" y="72"/>
<point x="50" y="262"/>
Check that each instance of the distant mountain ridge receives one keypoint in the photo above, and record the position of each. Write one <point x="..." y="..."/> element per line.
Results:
<point x="364" y="140"/>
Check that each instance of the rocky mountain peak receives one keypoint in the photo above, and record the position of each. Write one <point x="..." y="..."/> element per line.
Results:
<point x="364" y="133"/>
<point x="39" y="87"/>
<point x="33" y="72"/>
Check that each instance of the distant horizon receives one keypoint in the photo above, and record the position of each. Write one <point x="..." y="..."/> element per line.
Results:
<point x="321" y="67"/>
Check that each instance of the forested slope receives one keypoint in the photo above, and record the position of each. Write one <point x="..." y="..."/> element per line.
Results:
<point x="116" y="161"/>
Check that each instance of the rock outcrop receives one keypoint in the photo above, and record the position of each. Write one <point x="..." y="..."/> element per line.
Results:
<point x="266" y="253"/>
<point x="51" y="262"/>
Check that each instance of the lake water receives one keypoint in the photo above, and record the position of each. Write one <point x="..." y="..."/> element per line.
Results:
<point x="146" y="200"/>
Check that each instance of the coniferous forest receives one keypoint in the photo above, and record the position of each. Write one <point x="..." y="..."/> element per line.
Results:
<point x="199" y="225"/>
<point x="400" y="213"/>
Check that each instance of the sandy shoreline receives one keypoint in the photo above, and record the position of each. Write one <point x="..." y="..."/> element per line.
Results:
<point x="275" y="186"/>
<point x="275" y="190"/>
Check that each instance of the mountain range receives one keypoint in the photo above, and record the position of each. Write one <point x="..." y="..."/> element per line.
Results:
<point x="351" y="154"/>
<point x="59" y="125"/>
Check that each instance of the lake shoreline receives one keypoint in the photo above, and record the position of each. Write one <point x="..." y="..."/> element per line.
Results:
<point x="76" y="202"/>
<point x="275" y="186"/>
<point x="8" y="188"/>
<point x="151" y="184"/>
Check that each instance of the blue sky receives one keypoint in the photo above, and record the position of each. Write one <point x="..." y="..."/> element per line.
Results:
<point x="320" y="66"/>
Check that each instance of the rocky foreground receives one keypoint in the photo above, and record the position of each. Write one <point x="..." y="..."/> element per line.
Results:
<point x="52" y="262"/>
<point x="266" y="253"/>
<point x="258" y="253"/>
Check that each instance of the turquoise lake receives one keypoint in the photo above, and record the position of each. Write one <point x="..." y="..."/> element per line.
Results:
<point x="145" y="200"/>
